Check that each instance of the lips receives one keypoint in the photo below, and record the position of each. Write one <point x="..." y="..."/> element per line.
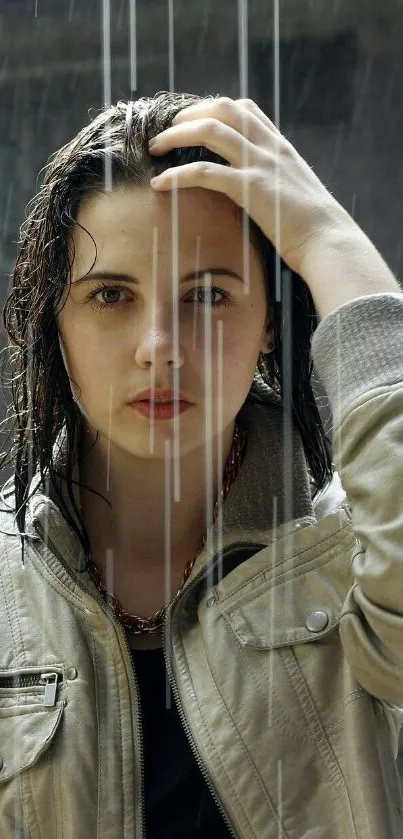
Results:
<point x="160" y="397"/>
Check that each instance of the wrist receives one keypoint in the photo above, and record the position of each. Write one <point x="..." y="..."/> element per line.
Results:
<point x="342" y="264"/>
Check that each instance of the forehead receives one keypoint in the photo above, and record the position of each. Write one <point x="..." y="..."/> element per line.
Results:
<point x="136" y="219"/>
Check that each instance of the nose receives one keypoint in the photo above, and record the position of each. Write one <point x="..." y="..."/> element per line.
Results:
<point x="159" y="345"/>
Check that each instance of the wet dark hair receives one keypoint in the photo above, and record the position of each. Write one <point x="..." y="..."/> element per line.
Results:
<point x="114" y="147"/>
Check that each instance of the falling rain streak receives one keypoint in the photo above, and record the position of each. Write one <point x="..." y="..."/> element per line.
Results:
<point x="133" y="47"/>
<point x="153" y="325"/>
<point x="107" y="81"/>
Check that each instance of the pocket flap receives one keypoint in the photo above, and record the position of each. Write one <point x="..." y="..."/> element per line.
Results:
<point x="26" y="732"/>
<point x="296" y="609"/>
<point x="253" y="627"/>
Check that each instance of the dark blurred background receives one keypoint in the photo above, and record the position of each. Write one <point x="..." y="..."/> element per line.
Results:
<point x="340" y="74"/>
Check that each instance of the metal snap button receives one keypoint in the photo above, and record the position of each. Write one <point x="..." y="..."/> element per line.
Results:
<point x="71" y="674"/>
<point x="317" y="621"/>
<point x="210" y="602"/>
<point x="1" y="763"/>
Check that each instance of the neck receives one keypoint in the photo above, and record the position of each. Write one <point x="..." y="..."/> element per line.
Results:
<point x="151" y="501"/>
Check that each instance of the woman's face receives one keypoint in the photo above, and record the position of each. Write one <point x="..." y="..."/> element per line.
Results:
<point x="125" y="333"/>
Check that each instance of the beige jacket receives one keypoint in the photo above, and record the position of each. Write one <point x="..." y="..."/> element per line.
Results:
<point x="286" y="662"/>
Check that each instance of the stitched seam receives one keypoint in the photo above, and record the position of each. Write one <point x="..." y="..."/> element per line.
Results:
<point x="12" y="611"/>
<point x="293" y="735"/>
<point x="316" y="562"/>
<point x="246" y="751"/>
<point x="24" y="804"/>
<point x="321" y="738"/>
<point x="56" y="820"/>
<point x="273" y="584"/>
<point x="357" y="693"/>
<point x="96" y="680"/>
<point x="28" y="783"/>
<point x="60" y="788"/>
<point x="121" y="742"/>
<point x="119" y="727"/>
<point x="51" y="579"/>
<point x="207" y="733"/>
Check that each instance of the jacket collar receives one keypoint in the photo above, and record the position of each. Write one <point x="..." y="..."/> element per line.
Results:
<point x="272" y="490"/>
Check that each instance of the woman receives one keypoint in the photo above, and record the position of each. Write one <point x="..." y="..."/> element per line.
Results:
<point x="168" y="510"/>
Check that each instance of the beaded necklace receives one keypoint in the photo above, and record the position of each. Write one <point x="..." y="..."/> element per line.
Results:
<point x="139" y="625"/>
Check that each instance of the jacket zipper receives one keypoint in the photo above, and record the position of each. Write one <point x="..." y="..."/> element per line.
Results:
<point x="38" y="528"/>
<point x="29" y="680"/>
<point x="178" y="700"/>
<point x="136" y="693"/>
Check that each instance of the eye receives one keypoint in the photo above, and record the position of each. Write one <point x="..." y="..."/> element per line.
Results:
<point x="201" y="291"/>
<point x="107" y="296"/>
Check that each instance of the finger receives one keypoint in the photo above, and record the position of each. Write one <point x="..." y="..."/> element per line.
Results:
<point x="214" y="135"/>
<point x="254" y="109"/>
<point x="214" y="176"/>
<point x="230" y="113"/>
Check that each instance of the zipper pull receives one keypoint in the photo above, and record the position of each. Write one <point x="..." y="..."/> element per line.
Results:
<point x="50" y="690"/>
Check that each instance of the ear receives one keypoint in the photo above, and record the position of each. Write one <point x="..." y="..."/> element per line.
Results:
<point x="267" y="341"/>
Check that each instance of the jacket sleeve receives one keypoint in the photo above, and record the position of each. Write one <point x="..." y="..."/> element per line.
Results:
<point x="357" y="351"/>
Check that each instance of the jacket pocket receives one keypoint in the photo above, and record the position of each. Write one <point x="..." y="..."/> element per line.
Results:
<point x="31" y="707"/>
<point x="25" y="733"/>
<point x="286" y="627"/>
<point x="31" y="710"/>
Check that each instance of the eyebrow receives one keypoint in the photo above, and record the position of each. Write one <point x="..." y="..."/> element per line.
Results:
<point x="192" y="275"/>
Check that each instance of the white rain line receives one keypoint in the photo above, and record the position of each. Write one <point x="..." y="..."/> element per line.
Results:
<point x="336" y="436"/>
<point x="285" y="289"/>
<point x="175" y="330"/>
<point x="211" y="487"/>
<point x="46" y="532"/>
<point x="133" y="47"/>
<point x="287" y="389"/>
<point x="167" y="558"/>
<point x="209" y="472"/>
<point x="110" y="583"/>
<point x="197" y="268"/>
<point x="243" y="84"/>
<point x="243" y="47"/>
<point x="109" y="438"/>
<point x="272" y="608"/>
<point x="276" y="91"/>
<point x="280" y="798"/>
<point x="220" y="453"/>
<point x="288" y="508"/>
<point x="110" y="767"/>
<point x="107" y="87"/>
<point x="171" y="45"/>
<point x="153" y="327"/>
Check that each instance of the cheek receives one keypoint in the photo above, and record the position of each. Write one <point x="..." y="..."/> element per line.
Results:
<point x="93" y="364"/>
<point x="239" y="358"/>
<point x="241" y="346"/>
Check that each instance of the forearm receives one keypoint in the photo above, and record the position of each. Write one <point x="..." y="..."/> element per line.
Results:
<point x="342" y="264"/>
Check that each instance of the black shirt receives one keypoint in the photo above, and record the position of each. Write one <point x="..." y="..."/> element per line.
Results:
<point x="178" y="804"/>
